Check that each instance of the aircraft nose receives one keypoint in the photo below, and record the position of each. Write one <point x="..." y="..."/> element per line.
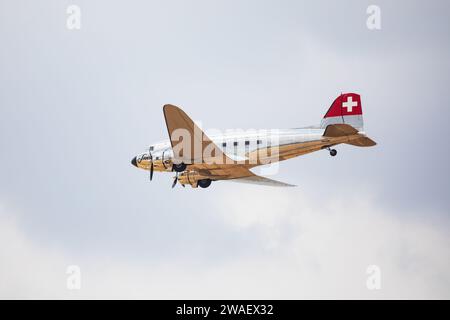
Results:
<point x="133" y="162"/>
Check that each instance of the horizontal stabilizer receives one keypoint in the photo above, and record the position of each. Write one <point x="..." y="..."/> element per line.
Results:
<point x="339" y="130"/>
<point x="343" y="130"/>
<point x="363" y="142"/>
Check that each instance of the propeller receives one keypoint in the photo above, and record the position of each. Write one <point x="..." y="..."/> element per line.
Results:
<point x="175" y="180"/>
<point x="151" y="164"/>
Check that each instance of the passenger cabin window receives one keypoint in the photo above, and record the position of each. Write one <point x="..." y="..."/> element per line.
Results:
<point x="235" y="143"/>
<point x="258" y="141"/>
<point x="224" y="144"/>
<point x="247" y="143"/>
<point x="151" y="148"/>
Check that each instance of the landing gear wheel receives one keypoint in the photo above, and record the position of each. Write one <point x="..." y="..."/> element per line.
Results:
<point x="180" y="167"/>
<point x="333" y="152"/>
<point x="204" y="183"/>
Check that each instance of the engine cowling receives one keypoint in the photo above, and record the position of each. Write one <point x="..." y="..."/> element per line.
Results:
<point x="190" y="177"/>
<point x="162" y="160"/>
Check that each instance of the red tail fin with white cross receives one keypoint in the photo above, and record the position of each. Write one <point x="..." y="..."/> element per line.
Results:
<point x="345" y="109"/>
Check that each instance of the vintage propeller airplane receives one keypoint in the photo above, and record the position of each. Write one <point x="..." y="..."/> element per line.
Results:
<point x="198" y="159"/>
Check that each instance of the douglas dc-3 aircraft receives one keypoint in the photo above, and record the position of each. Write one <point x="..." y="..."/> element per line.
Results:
<point x="198" y="159"/>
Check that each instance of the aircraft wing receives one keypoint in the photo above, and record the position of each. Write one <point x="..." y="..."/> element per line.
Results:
<point x="198" y="148"/>
<point x="262" y="181"/>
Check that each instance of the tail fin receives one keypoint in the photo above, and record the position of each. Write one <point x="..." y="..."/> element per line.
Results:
<point x="345" y="109"/>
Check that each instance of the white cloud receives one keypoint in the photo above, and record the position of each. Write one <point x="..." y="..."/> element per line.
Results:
<point x="331" y="242"/>
<point x="311" y="249"/>
<point x="27" y="270"/>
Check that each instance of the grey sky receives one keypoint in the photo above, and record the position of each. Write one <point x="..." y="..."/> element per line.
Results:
<point x="76" y="106"/>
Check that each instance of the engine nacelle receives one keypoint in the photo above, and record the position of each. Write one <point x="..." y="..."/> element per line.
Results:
<point x="163" y="165"/>
<point x="162" y="160"/>
<point x="194" y="179"/>
<point x="189" y="177"/>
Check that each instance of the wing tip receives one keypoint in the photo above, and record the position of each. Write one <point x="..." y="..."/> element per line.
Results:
<point x="169" y="106"/>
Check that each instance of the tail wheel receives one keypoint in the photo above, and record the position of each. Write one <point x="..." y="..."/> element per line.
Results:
<point x="204" y="183"/>
<point x="333" y="152"/>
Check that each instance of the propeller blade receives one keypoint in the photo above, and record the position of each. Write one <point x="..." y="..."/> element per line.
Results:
<point x="151" y="164"/>
<point x="175" y="181"/>
<point x="151" y="171"/>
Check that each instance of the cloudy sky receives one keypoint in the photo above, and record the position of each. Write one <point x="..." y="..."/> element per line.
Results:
<point x="77" y="105"/>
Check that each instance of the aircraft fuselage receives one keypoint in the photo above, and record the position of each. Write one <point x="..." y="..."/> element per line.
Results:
<point x="251" y="148"/>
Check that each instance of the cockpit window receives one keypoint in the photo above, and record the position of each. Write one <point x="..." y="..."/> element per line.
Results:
<point x="151" y="148"/>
